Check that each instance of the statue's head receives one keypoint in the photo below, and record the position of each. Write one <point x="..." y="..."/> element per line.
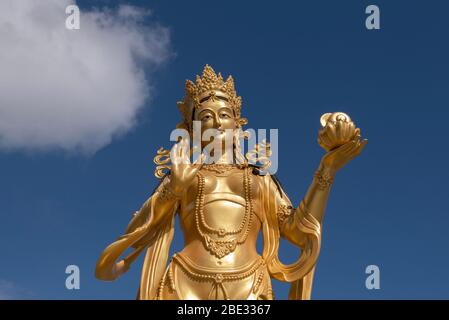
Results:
<point x="212" y="101"/>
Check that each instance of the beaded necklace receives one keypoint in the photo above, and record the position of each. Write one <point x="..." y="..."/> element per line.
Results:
<point x="222" y="247"/>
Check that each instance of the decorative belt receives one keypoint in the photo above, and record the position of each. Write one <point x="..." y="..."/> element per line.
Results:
<point x="208" y="274"/>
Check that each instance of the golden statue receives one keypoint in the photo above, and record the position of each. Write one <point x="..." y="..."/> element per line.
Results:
<point x="223" y="205"/>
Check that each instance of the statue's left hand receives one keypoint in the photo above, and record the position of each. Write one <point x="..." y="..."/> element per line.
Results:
<point x="335" y="159"/>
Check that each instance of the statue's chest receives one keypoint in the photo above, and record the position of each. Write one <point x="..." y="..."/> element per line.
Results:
<point x="232" y="183"/>
<point x="224" y="200"/>
<point x="236" y="182"/>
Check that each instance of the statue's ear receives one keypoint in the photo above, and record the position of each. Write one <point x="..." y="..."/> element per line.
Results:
<point x="324" y="118"/>
<point x="242" y="121"/>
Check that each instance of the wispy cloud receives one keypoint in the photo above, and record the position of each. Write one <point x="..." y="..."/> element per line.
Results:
<point x="73" y="90"/>
<point x="10" y="291"/>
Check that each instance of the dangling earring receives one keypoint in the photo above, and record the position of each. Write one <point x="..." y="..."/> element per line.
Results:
<point x="240" y="158"/>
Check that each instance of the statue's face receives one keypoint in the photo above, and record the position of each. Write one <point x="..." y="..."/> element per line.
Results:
<point x="215" y="113"/>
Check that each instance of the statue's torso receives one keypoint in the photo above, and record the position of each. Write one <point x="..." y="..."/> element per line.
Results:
<point x="227" y="201"/>
<point x="224" y="207"/>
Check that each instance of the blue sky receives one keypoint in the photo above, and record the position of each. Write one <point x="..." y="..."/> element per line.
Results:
<point x="292" y="62"/>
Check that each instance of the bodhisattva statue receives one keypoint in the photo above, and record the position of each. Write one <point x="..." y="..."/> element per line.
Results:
<point x="222" y="208"/>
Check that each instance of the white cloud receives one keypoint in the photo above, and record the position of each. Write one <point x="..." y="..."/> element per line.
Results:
<point x="73" y="89"/>
<point x="10" y="291"/>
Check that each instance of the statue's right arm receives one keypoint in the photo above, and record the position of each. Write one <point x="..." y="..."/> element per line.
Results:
<point x="156" y="211"/>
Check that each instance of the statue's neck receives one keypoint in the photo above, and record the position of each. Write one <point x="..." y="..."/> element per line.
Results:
<point x="226" y="157"/>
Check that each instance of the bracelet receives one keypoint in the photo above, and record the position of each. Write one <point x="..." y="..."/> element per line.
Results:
<point x="284" y="212"/>
<point x="323" y="179"/>
<point x="167" y="194"/>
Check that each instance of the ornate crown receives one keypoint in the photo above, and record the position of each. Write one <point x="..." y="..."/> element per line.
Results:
<point x="208" y="86"/>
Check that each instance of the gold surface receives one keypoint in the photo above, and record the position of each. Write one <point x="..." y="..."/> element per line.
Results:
<point x="223" y="207"/>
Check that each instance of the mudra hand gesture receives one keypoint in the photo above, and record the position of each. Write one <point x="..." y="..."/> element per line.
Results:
<point x="182" y="170"/>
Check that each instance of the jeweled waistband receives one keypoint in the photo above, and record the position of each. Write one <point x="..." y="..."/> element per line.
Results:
<point x="205" y="273"/>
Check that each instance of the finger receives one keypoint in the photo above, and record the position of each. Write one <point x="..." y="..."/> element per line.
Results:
<point x="351" y="146"/>
<point x="331" y="132"/>
<point x="319" y="140"/>
<point x="356" y="136"/>
<point x="186" y="143"/>
<point x="187" y="151"/>
<point x="325" y="139"/>
<point x="181" y="148"/>
<point x="362" y="145"/>
<point x="180" y="151"/>
<point x="351" y="130"/>
<point x="174" y="154"/>
<point x="344" y="130"/>
<point x="184" y="152"/>
<point x="338" y="129"/>
<point x="200" y="161"/>
<point x="353" y="149"/>
<point x="194" y="151"/>
<point x="345" y="147"/>
<point x="359" y="149"/>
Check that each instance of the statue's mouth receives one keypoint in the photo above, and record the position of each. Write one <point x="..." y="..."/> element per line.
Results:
<point x="220" y="132"/>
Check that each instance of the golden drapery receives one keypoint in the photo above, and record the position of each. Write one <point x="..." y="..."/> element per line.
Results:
<point x="157" y="243"/>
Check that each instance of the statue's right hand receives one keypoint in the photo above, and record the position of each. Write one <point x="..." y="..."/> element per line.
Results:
<point x="120" y="268"/>
<point x="182" y="170"/>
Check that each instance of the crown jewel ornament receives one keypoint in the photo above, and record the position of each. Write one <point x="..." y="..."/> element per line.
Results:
<point x="209" y="86"/>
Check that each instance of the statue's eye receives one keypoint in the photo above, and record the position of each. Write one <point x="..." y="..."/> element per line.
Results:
<point x="206" y="117"/>
<point x="225" y="115"/>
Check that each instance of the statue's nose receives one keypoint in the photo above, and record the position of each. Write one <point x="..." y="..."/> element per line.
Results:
<point x="218" y="121"/>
